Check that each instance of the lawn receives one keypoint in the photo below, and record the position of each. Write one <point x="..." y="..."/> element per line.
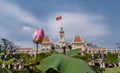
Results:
<point x="112" y="70"/>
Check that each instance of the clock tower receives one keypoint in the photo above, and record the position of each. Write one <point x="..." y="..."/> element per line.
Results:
<point x="61" y="35"/>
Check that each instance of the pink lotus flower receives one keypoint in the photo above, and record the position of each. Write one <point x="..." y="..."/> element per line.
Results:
<point x="38" y="36"/>
<point x="83" y="48"/>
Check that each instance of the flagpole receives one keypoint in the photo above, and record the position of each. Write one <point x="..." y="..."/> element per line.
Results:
<point x="61" y="23"/>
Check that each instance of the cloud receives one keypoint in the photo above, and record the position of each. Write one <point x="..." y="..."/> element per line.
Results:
<point x="25" y="44"/>
<point x="3" y="32"/>
<point x="82" y="24"/>
<point x="27" y="29"/>
<point x="17" y="22"/>
<point x="15" y="12"/>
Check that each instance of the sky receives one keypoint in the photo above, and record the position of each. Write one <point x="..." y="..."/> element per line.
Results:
<point x="96" y="21"/>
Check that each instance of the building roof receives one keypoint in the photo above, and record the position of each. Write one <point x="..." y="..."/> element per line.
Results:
<point x="22" y="49"/>
<point x="46" y="40"/>
<point x="98" y="49"/>
<point x="77" y="39"/>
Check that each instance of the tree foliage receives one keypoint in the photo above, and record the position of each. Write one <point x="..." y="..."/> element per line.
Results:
<point x="4" y="70"/>
<point x="90" y="44"/>
<point x="10" y="61"/>
<point x="97" y="69"/>
<point x="7" y="45"/>
<point x="86" y="57"/>
<point x="111" y="57"/>
<point x="1" y="61"/>
<point x="41" y="56"/>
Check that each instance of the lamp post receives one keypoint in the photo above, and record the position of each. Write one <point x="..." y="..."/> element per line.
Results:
<point x="37" y="37"/>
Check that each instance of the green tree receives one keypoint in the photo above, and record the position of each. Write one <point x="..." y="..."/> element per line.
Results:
<point x="7" y="45"/>
<point x="97" y="69"/>
<point x="64" y="49"/>
<point x="70" y="47"/>
<point x="111" y="57"/>
<point x="90" y="44"/>
<point x="86" y="57"/>
<point x="4" y="70"/>
<point x="118" y="45"/>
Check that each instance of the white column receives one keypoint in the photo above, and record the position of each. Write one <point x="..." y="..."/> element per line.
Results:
<point x="119" y="64"/>
<point x="8" y="66"/>
<point x="14" y="66"/>
<point x="3" y="65"/>
<point x="19" y="67"/>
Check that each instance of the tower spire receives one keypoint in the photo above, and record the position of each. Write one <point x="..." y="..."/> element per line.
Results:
<point x="61" y="35"/>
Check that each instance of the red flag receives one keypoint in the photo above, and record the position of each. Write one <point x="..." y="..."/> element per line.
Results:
<point x="58" y="18"/>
